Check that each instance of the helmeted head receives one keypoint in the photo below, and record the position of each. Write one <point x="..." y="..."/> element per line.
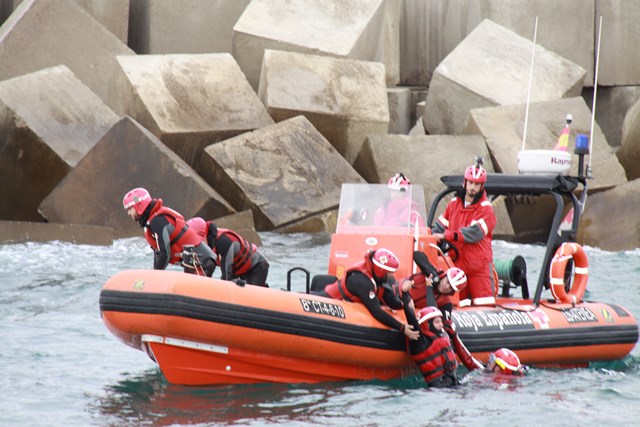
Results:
<point x="429" y="314"/>
<point x="399" y="182"/>
<point x="198" y="225"/>
<point x="457" y="278"/>
<point x="505" y="361"/>
<point x="138" y="198"/>
<point x="384" y="262"/>
<point x="475" y="173"/>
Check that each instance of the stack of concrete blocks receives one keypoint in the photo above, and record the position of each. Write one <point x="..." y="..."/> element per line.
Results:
<point x="346" y="100"/>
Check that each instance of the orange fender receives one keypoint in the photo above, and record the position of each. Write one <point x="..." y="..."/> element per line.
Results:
<point x="581" y="273"/>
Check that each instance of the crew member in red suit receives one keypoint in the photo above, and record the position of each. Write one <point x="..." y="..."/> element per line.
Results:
<point x="371" y="282"/>
<point x="444" y="285"/>
<point x="167" y="233"/>
<point x="239" y="260"/>
<point x="432" y="351"/>
<point x="468" y="223"/>
<point x="400" y="210"/>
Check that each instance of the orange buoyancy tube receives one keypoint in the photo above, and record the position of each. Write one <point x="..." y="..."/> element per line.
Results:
<point x="581" y="273"/>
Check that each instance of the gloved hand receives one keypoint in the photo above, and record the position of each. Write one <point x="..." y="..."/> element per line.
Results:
<point x="239" y="282"/>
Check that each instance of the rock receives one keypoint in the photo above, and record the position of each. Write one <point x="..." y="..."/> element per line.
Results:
<point x="629" y="151"/>
<point x="126" y="157"/>
<point x="284" y="173"/>
<point x="344" y="99"/>
<point x="48" y="121"/>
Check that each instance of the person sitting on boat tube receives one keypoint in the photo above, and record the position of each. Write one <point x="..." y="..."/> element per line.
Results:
<point x="506" y="362"/>
<point x="370" y="282"/>
<point x="432" y="351"/>
<point x="167" y="233"/>
<point x="239" y="260"/>
<point x="399" y="210"/>
<point x="443" y="284"/>
<point x="468" y="222"/>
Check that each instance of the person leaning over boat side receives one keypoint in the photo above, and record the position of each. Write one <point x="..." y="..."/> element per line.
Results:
<point x="432" y="351"/>
<point x="468" y="222"/>
<point x="239" y="260"/>
<point x="166" y="232"/>
<point x="370" y="282"/>
<point x="399" y="210"/>
<point x="443" y="285"/>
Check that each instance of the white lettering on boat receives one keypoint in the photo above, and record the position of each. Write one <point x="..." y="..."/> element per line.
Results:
<point x="491" y="319"/>
<point x="579" y="315"/>
<point x="320" y="307"/>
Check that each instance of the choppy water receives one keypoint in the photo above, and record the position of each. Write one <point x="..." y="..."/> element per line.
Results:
<point x="59" y="365"/>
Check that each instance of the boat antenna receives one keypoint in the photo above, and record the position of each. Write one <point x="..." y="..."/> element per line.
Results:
<point x="595" y="93"/>
<point x="526" y="111"/>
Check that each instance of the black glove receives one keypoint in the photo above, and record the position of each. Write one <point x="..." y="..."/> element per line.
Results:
<point x="239" y="282"/>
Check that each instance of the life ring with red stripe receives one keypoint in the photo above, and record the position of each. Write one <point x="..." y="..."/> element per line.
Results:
<point x="559" y="262"/>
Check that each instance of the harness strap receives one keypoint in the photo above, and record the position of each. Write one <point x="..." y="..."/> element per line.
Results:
<point x="342" y="292"/>
<point x="180" y="234"/>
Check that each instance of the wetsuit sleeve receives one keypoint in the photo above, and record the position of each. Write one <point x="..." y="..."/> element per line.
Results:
<point x="389" y="296"/>
<point x="423" y="342"/>
<point x="409" y="313"/>
<point x="360" y="285"/>
<point x="225" y="249"/>
<point x="161" y="230"/>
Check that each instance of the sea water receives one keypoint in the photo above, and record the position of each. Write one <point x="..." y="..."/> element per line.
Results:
<point x="60" y="366"/>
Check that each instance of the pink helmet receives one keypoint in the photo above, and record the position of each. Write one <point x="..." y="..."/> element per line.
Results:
<point x="399" y="182"/>
<point x="384" y="261"/>
<point x="507" y="361"/>
<point x="475" y="173"/>
<point x="139" y="198"/>
<point x="457" y="278"/>
<point x="198" y="225"/>
<point x="428" y="313"/>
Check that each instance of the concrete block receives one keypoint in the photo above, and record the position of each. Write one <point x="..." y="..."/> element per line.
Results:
<point x="431" y="29"/>
<point x="352" y="30"/>
<point x="629" y="151"/>
<point x="619" y="62"/>
<point x="391" y="41"/>
<point x="344" y="99"/>
<point x="183" y="26"/>
<point x="22" y="232"/>
<point x="612" y="105"/>
<point x="47" y="33"/>
<point x="424" y="159"/>
<point x="620" y="204"/>
<point x="242" y="223"/>
<point x="284" y="173"/>
<point x="48" y="121"/>
<point x="399" y="110"/>
<point x="503" y="129"/>
<point x="492" y="67"/>
<point x="190" y="101"/>
<point x="129" y="156"/>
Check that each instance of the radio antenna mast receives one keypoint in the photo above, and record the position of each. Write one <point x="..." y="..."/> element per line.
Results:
<point x="526" y="111"/>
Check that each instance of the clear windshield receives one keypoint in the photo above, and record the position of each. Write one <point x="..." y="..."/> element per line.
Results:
<point x="367" y="206"/>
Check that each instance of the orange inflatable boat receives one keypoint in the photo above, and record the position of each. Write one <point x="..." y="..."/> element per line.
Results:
<point x="207" y="331"/>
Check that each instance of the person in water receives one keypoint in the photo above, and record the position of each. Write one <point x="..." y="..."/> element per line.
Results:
<point x="399" y="210"/>
<point x="506" y="362"/>
<point x="432" y="351"/>
<point x="445" y="284"/>
<point x="371" y="282"/>
<point x="468" y="222"/>
<point x="167" y="233"/>
<point x="239" y="260"/>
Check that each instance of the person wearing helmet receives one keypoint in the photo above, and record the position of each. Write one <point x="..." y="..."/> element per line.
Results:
<point x="444" y="285"/>
<point x="506" y="362"/>
<point x="167" y="233"/>
<point x="239" y="260"/>
<point x="432" y="351"/>
<point x="399" y="210"/>
<point x="370" y="282"/>
<point x="468" y="222"/>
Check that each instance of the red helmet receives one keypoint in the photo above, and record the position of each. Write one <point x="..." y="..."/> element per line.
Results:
<point x="507" y="361"/>
<point x="475" y="173"/>
<point x="428" y="313"/>
<point x="399" y="182"/>
<point x="384" y="261"/>
<point x="457" y="278"/>
<point x="138" y="198"/>
<point x="198" y="225"/>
